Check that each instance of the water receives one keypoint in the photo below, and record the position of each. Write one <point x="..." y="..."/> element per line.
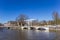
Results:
<point x="6" y="34"/>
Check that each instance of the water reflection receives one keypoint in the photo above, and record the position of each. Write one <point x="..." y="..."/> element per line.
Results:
<point x="39" y="35"/>
<point x="26" y="35"/>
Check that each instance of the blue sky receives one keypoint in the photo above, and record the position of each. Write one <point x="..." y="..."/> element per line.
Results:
<point x="35" y="9"/>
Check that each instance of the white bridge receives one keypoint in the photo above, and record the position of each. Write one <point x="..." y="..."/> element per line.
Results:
<point x="28" y="27"/>
<point x="35" y="27"/>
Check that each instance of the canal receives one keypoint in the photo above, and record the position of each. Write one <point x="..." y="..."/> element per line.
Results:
<point x="7" y="34"/>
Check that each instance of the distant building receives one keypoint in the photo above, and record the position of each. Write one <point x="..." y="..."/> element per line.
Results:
<point x="1" y="24"/>
<point x="30" y="22"/>
<point x="10" y="23"/>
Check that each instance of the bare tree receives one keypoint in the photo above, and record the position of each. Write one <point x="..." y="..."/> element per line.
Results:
<point x="21" y="19"/>
<point x="50" y="22"/>
<point x="56" y="17"/>
<point x="35" y="23"/>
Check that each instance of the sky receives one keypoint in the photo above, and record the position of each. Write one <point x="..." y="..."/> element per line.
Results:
<point x="34" y="9"/>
